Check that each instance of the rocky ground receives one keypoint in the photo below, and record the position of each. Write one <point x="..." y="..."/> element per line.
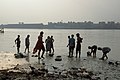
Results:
<point x="30" y="68"/>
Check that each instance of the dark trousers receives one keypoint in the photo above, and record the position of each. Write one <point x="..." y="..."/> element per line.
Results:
<point x="78" y="50"/>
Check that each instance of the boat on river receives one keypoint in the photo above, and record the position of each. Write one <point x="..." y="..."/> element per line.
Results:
<point x="2" y="30"/>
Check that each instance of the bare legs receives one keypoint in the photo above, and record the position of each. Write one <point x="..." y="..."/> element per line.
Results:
<point x="104" y="55"/>
<point x="71" y="50"/>
<point x="26" y="49"/>
<point x="78" y="51"/>
<point x="43" y="51"/>
<point x="18" y="49"/>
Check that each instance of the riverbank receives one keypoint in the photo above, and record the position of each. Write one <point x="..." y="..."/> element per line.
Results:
<point x="68" y="69"/>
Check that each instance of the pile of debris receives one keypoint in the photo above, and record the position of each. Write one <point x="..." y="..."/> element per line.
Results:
<point x="42" y="73"/>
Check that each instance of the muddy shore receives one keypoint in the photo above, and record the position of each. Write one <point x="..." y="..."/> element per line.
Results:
<point x="30" y="68"/>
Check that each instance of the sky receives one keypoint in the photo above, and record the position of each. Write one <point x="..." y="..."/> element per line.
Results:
<point x="43" y="11"/>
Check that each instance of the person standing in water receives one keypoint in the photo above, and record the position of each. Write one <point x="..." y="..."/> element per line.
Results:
<point x="78" y="46"/>
<point x="71" y="45"/>
<point x="27" y="43"/>
<point x="39" y="45"/>
<point x="52" y="40"/>
<point x="68" y="45"/>
<point x="48" y="44"/>
<point x="17" y="41"/>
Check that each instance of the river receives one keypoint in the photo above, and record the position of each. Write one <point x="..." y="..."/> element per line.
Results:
<point x="101" y="38"/>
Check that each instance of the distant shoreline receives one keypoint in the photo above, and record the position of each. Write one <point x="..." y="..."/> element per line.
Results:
<point x="61" y="25"/>
<point x="68" y="28"/>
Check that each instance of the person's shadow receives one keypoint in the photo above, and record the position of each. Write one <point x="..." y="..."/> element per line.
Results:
<point x="41" y="61"/>
<point x="38" y="61"/>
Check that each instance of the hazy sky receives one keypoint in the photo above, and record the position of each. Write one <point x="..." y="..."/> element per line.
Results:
<point x="37" y="11"/>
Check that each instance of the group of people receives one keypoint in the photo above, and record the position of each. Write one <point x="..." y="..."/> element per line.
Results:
<point x="94" y="48"/>
<point x="71" y="45"/>
<point x="39" y="45"/>
<point x="49" y="44"/>
<point x="27" y="43"/>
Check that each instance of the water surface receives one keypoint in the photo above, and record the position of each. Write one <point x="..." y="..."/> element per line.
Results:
<point x="110" y="38"/>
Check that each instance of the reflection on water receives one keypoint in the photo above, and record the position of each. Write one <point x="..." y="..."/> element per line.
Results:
<point x="27" y="58"/>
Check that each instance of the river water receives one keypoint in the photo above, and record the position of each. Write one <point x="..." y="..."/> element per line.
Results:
<point x="102" y="38"/>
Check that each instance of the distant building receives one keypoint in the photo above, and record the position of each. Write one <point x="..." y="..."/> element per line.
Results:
<point x="68" y="25"/>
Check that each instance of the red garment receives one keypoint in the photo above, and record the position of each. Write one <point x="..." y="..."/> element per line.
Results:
<point x="39" y="45"/>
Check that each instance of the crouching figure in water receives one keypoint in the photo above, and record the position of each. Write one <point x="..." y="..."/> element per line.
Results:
<point x="93" y="50"/>
<point x="105" y="50"/>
